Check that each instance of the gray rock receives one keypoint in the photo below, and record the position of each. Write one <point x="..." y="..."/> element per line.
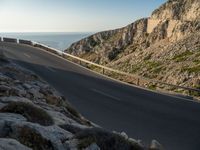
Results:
<point x="155" y="145"/>
<point x="35" y="92"/>
<point x="124" y="135"/>
<point x="11" y="144"/>
<point x="27" y="86"/>
<point x="60" y="118"/>
<point x="2" y="105"/>
<point x="93" y="146"/>
<point x="4" y="90"/>
<point x="139" y="142"/>
<point x="17" y="82"/>
<point x="71" y="144"/>
<point x="14" y="99"/>
<point x="11" y="117"/>
<point x="17" y="91"/>
<point x="50" y="133"/>
<point x="4" y="78"/>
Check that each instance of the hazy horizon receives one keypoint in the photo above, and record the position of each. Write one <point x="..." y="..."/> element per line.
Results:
<point x="71" y="16"/>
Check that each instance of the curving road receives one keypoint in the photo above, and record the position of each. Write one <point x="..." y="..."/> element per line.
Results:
<point x="142" y="114"/>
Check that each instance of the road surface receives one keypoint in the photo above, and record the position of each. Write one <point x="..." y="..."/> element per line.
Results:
<point x="142" y="114"/>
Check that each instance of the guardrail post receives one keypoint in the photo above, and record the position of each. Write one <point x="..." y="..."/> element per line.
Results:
<point x="190" y="92"/>
<point x="103" y="70"/>
<point x="138" y="81"/>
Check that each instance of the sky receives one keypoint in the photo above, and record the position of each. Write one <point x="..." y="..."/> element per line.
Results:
<point x="72" y="15"/>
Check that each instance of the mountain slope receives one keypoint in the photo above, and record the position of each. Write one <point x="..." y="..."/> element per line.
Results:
<point x="164" y="46"/>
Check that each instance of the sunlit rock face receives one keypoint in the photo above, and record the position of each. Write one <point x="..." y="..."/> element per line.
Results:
<point x="185" y="10"/>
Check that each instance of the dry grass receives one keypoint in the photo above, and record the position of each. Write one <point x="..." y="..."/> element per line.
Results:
<point x="105" y="140"/>
<point x="34" y="140"/>
<point x="29" y="111"/>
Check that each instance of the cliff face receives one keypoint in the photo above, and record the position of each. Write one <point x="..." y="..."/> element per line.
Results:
<point x="186" y="10"/>
<point x="173" y="26"/>
<point x="105" y="46"/>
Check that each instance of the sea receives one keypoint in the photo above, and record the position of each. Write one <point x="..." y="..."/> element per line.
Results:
<point x="60" y="41"/>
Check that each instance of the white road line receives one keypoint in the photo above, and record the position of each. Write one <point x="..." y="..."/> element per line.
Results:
<point x="105" y="94"/>
<point x="49" y="68"/>
<point x="27" y="55"/>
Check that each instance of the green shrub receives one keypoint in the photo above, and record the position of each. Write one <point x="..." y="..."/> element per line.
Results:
<point x="135" y="68"/>
<point x="148" y="57"/>
<point x="152" y="87"/>
<point x="152" y="64"/>
<point x="197" y="55"/>
<point x="196" y="61"/>
<point x="195" y="69"/>
<point x="158" y="69"/>
<point x="183" y="56"/>
<point x="29" y="111"/>
<point x="113" y="54"/>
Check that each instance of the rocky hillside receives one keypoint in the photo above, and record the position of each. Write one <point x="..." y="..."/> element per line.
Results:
<point x="186" y="10"/>
<point x="165" y="46"/>
<point x="34" y="116"/>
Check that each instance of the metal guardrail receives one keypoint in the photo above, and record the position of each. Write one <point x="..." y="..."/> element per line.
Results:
<point x="27" y="42"/>
<point x="130" y="75"/>
<point x="11" y="40"/>
<point x="104" y="68"/>
<point x="138" y="78"/>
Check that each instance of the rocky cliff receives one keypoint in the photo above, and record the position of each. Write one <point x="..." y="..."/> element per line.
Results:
<point x="147" y="46"/>
<point x="186" y="10"/>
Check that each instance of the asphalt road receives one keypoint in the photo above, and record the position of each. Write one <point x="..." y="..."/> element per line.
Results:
<point x="142" y="114"/>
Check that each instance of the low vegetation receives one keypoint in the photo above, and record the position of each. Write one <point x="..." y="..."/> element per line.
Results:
<point x="195" y="69"/>
<point x="105" y="140"/>
<point x="183" y="56"/>
<point x="148" y="57"/>
<point x="29" y="111"/>
<point x="71" y="128"/>
<point x="34" y="140"/>
<point x="152" y="64"/>
<point x="152" y="87"/>
<point x="195" y="93"/>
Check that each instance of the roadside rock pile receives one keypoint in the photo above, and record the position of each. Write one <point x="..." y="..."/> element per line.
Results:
<point x="34" y="116"/>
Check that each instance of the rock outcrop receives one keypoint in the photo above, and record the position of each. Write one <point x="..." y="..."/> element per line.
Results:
<point x="147" y="46"/>
<point x="185" y="10"/>
<point x="35" y="116"/>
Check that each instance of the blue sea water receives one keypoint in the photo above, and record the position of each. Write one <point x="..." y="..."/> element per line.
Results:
<point x="60" y="41"/>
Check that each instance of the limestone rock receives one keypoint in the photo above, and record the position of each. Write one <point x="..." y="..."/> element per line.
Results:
<point x="155" y="145"/>
<point x="178" y="10"/>
<point x="124" y="135"/>
<point x="93" y="146"/>
<point x="12" y="117"/>
<point x="11" y="144"/>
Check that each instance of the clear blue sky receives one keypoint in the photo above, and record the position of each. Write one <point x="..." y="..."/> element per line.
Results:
<point x="71" y="15"/>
